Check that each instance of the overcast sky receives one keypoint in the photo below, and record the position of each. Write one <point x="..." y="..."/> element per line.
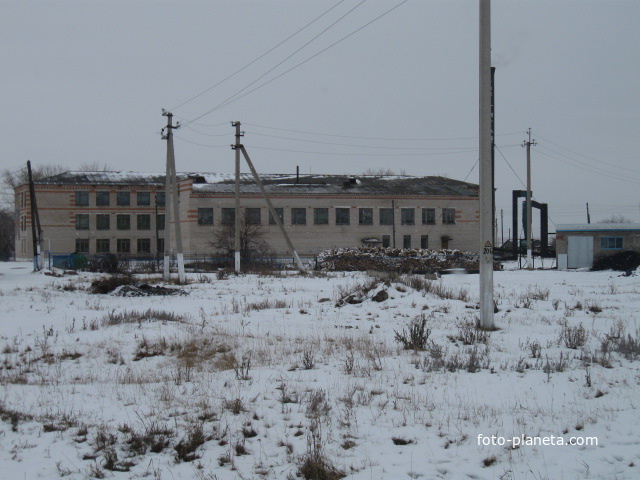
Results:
<point x="85" y="82"/>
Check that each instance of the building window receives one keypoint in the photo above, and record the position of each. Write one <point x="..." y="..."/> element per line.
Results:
<point x="160" y="199"/>
<point x="144" y="222"/>
<point x="228" y="216"/>
<point x="205" y="216"/>
<point x="298" y="216"/>
<point x="406" y="241"/>
<point x="321" y="216"/>
<point x="82" y="245"/>
<point x="424" y="241"/>
<point x="365" y="216"/>
<point x="386" y="241"/>
<point x="144" y="245"/>
<point x="82" y="221"/>
<point x="428" y="216"/>
<point x="23" y="223"/>
<point x="143" y="199"/>
<point x="123" y="199"/>
<point x="445" y="242"/>
<point x="407" y="216"/>
<point x="102" y="199"/>
<point x="449" y="216"/>
<point x="123" y="245"/>
<point x="252" y="216"/>
<point x="82" y="199"/>
<point x="279" y="213"/>
<point x="123" y="222"/>
<point x="160" y="221"/>
<point x="102" y="245"/>
<point x="102" y="221"/>
<point x="386" y="216"/>
<point x="611" y="243"/>
<point x="342" y="216"/>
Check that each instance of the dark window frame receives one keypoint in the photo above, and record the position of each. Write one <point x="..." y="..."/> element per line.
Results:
<point x="611" y="243"/>
<point x="321" y="216"/>
<point x="140" y="221"/>
<point x="145" y="197"/>
<point x="365" y="216"/>
<point x="279" y="213"/>
<point x="82" y="198"/>
<point x="100" y="245"/>
<point x="82" y="245"/>
<point x="407" y="216"/>
<point x="298" y="216"/>
<point x="123" y="221"/>
<point x="103" y="198"/>
<point x="143" y="245"/>
<point x="253" y="215"/>
<point x="103" y="221"/>
<point x="428" y="216"/>
<point x="228" y="216"/>
<point x="82" y="225"/>
<point x="205" y="216"/>
<point x="448" y="216"/>
<point x="123" y="198"/>
<point x="123" y="245"/>
<point x="343" y="216"/>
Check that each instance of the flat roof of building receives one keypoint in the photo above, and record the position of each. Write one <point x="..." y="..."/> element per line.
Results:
<point x="597" y="227"/>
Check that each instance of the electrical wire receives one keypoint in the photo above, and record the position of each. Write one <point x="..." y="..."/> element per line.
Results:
<point x="259" y="57"/>
<point x="356" y="146"/>
<point x="588" y="157"/>
<point x="235" y="98"/>
<point x="306" y="132"/>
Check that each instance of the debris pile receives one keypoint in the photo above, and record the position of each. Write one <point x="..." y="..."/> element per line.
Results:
<point x="626" y="261"/>
<point x="397" y="260"/>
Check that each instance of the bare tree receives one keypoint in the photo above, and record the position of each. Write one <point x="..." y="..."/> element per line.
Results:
<point x="7" y="232"/>
<point x="616" y="219"/>
<point x="252" y="241"/>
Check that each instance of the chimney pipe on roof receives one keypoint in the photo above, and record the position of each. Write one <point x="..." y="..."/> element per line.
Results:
<point x="297" y="174"/>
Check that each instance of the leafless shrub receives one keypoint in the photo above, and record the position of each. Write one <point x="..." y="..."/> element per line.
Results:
<point x="574" y="337"/>
<point x="470" y="334"/>
<point x="242" y="369"/>
<point x="415" y="336"/>
<point x="186" y="449"/>
<point x="308" y="359"/>
<point x="133" y="316"/>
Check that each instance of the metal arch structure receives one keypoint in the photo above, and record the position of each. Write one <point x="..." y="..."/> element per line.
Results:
<point x="544" y="222"/>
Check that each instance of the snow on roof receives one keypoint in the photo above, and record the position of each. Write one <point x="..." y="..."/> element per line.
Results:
<point x="596" y="227"/>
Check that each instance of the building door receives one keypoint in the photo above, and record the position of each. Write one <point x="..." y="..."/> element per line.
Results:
<point x="579" y="251"/>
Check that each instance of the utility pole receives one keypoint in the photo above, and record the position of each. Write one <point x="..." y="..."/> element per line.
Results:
<point x="486" y="170"/>
<point x="36" y="230"/>
<point x="588" y="215"/>
<point x="528" y="144"/>
<point x="171" y="200"/>
<point x="237" y="206"/>
<point x="502" y="226"/>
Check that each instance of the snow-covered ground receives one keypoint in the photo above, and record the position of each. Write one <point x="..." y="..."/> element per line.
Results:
<point x="249" y="376"/>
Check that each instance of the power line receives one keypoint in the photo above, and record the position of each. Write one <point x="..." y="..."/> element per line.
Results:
<point x="357" y="146"/>
<point x="396" y="139"/>
<point x="366" y="154"/>
<point x="235" y="98"/>
<point x="259" y="57"/>
<point x="588" y="157"/>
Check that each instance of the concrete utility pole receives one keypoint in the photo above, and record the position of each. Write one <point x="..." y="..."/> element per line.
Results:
<point x="486" y="171"/>
<point x="171" y="199"/>
<point x="36" y="230"/>
<point x="237" y="206"/>
<point x="528" y="144"/>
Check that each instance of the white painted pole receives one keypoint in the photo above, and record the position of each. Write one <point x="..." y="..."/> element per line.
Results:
<point x="237" y="204"/>
<point x="486" y="173"/>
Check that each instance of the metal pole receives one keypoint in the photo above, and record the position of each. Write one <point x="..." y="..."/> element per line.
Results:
<point x="486" y="171"/>
<point x="237" y="195"/>
<point x="529" y="212"/>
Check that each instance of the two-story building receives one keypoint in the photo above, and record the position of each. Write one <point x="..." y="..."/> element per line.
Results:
<point x="123" y="213"/>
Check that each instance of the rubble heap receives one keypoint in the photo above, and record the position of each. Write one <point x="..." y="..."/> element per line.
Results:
<point x="396" y="259"/>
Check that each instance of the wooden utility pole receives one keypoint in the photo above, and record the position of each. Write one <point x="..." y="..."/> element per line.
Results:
<point x="237" y="197"/>
<point x="528" y="144"/>
<point x="588" y="215"/>
<point x="36" y="230"/>
<point x="171" y="200"/>
<point x="486" y="171"/>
